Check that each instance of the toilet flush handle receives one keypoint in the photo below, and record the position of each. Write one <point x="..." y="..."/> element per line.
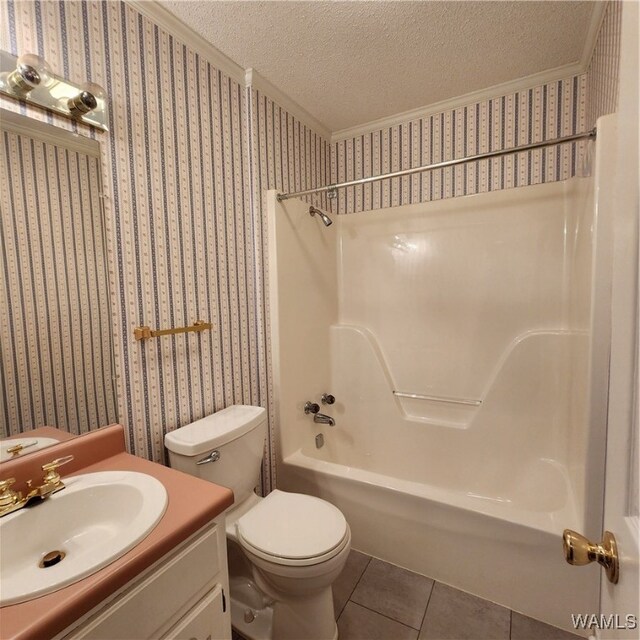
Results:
<point x="212" y="457"/>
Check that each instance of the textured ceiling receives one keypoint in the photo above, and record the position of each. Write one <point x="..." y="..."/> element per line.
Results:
<point x="348" y="63"/>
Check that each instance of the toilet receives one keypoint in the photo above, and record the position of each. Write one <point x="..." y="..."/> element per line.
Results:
<point x="285" y="550"/>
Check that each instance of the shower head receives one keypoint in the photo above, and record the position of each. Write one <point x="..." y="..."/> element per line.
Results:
<point x="326" y="220"/>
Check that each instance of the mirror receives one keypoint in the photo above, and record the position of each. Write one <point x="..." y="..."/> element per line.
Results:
<point x="13" y="447"/>
<point x="56" y="355"/>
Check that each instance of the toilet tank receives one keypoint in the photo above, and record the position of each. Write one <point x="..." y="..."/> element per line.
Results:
<point x="237" y="433"/>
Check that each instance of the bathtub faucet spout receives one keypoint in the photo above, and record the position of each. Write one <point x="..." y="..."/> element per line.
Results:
<point x="321" y="418"/>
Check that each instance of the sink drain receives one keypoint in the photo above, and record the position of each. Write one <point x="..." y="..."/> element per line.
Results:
<point x="52" y="558"/>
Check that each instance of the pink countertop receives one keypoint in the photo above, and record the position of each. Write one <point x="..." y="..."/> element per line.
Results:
<point x="192" y="504"/>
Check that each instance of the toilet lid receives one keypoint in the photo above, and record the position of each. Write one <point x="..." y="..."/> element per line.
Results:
<point x="292" y="526"/>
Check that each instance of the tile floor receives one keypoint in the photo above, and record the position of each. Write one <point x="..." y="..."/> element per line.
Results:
<point x="375" y="600"/>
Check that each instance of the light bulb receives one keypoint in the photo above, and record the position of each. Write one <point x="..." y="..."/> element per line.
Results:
<point x="88" y="99"/>
<point x="31" y="71"/>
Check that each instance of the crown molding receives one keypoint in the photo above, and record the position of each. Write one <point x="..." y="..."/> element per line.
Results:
<point x="48" y="133"/>
<point x="597" y="17"/>
<point x="257" y="81"/>
<point x="161" y="16"/>
<point x="173" y="25"/>
<point x="252" y="78"/>
<point x="512" y="86"/>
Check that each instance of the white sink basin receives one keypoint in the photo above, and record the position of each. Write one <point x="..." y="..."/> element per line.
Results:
<point x="29" y="444"/>
<point x="94" y="520"/>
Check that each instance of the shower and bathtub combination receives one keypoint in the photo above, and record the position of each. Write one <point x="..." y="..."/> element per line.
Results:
<point x="462" y="341"/>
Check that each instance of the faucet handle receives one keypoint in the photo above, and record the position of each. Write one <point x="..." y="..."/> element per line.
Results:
<point x="51" y="475"/>
<point x="17" y="448"/>
<point x="311" y="407"/>
<point x="8" y="496"/>
<point x="327" y="398"/>
<point x="5" y="484"/>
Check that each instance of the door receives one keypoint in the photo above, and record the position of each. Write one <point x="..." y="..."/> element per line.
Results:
<point x="619" y="615"/>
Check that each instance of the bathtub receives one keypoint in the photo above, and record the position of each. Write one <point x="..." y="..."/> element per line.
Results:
<point x="501" y="551"/>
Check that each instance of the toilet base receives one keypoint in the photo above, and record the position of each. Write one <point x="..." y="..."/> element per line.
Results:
<point x="260" y="626"/>
<point x="302" y="618"/>
<point x="305" y="618"/>
<point x="262" y="610"/>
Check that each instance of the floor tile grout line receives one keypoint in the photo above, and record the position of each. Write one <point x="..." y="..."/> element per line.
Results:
<point x="424" y="617"/>
<point x="380" y="613"/>
<point x="408" y="626"/>
<point x="356" y="584"/>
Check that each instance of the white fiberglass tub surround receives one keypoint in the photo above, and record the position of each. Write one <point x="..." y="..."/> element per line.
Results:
<point x="476" y="312"/>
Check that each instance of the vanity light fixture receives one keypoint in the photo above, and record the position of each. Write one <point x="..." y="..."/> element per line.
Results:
<point x="86" y="100"/>
<point x="29" y="79"/>
<point x="31" y="71"/>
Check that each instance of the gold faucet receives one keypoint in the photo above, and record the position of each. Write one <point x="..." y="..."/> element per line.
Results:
<point x="11" y="501"/>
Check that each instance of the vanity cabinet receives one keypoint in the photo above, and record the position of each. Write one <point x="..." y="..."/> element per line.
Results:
<point x="183" y="596"/>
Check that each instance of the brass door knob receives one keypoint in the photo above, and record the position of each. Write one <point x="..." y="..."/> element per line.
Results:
<point x="579" y="551"/>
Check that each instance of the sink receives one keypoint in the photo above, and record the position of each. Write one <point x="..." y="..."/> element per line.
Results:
<point x="29" y="444"/>
<point x="93" y="521"/>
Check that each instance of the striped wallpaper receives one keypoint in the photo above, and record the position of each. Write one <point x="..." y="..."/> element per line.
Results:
<point x="187" y="154"/>
<point x="285" y="155"/>
<point x="547" y="111"/>
<point x="602" y="74"/>
<point x="185" y="165"/>
<point x="176" y="180"/>
<point x="55" y="358"/>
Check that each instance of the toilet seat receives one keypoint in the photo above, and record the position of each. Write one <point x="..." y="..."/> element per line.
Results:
<point x="293" y="529"/>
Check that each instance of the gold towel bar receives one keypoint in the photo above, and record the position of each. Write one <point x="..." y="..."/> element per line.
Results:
<point x="144" y="333"/>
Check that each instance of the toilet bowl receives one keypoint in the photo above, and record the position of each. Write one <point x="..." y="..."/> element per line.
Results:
<point x="285" y="550"/>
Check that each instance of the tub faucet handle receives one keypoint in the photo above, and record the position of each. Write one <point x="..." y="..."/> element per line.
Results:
<point x="311" y="407"/>
<point x="327" y="398"/>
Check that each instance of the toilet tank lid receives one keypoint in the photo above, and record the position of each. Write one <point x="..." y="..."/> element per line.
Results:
<point x="215" y="430"/>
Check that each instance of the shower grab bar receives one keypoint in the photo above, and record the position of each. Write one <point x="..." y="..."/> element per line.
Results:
<point x="332" y="188"/>
<point x="420" y="396"/>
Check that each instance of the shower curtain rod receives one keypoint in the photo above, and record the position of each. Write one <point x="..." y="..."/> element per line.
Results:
<point x="331" y="189"/>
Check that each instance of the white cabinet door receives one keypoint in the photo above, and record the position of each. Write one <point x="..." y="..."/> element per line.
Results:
<point x="204" y="622"/>
<point x="149" y="606"/>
